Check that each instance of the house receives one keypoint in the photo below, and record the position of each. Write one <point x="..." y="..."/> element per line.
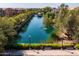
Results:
<point x="9" y="12"/>
<point x="12" y="12"/>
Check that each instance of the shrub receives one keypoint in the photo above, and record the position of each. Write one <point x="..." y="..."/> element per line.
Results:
<point x="22" y="46"/>
<point x="39" y="46"/>
<point x="77" y="46"/>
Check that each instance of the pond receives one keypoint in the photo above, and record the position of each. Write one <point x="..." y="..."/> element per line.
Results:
<point x="35" y="32"/>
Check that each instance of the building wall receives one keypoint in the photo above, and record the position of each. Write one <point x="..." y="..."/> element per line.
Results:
<point x="10" y="12"/>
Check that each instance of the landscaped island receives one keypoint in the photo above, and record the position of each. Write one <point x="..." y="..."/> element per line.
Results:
<point x="38" y="28"/>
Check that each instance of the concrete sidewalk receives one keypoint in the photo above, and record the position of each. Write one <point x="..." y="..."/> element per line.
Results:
<point x="51" y="52"/>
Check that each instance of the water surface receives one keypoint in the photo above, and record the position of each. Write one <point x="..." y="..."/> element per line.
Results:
<point x="35" y="32"/>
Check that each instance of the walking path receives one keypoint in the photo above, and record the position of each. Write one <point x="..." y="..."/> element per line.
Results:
<point x="51" y="52"/>
<point x="43" y="53"/>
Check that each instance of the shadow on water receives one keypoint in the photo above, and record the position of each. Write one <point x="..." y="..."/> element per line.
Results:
<point x="24" y="28"/>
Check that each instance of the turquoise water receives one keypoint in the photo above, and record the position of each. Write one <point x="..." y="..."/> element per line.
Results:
<point x="34" y="32"/>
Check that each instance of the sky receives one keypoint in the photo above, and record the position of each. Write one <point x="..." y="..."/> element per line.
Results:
<point x="34" y="5"/>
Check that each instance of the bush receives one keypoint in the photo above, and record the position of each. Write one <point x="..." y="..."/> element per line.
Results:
<point x="41" y="46"/>
<point x="77" y="46"/>
<point x="53" y="46"/>
<point x="22" y="46"/>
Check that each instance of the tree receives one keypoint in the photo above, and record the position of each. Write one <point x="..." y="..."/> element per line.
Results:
<point x="47" y="9"/>
<point x="3" y="40"/>
<point x="73" y="25"/>
<point x="61" y="20"/>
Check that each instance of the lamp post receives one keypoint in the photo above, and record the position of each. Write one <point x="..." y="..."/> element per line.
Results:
<point x="62" y="43"/>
